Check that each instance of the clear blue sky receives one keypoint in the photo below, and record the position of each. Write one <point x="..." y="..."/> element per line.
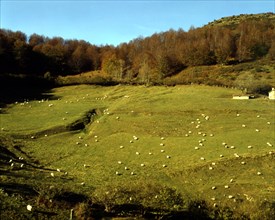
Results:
<point x="113" y="22"/>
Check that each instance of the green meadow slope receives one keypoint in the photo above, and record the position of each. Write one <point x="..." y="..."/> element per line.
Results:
<point x="114" y="143"/>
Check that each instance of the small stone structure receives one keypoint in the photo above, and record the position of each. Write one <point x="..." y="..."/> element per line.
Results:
<point x="271" y="94"/>
<point x="241" y="97"/>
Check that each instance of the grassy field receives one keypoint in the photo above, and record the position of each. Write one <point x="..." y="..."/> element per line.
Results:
<point x="195" y="140"/>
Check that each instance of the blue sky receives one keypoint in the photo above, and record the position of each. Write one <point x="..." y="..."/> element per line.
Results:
<point x="114" y="22"/>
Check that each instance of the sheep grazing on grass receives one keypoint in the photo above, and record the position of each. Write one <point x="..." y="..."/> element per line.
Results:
<point x="52" y="174"/>
<point x="126" y="168"/>
<point x="150" y="153"/>
<point x="117" y="173"/>
<point x="210" y="168"/>
<point x="137" y="153"/>
<point x="168" y="157"/>
<point x="161" y="144"/>
<point x="164" y="165"/>
<point x="121" y="147"/>
<point x="249" y="147"/>
<point x="135" y="137"/>
<point x="259" y="173"/>
<point x="132" y="173"/>
<point x="231" y="180"/>
<point x="22" y="165"/>
<point x="268" y="122"/>
<point x="142" y="165"/>
<point x="257" y="130"/>
<point x="86" y="145"/>
<point x="29" y="208"/>
<point x="236" y="155"/>
<point x="213" y="187"/>
<point x="82" y="184"/>
<point x="162" y="151"/>
<point x="162" y="138"/>
<point x="119" y="162"/>
<point x="238" y="115"/>
<point x="221" y="155"/>
<point x="230" y="197"/>
<point x="197" y="148"/>
<point x="202" y="158"/>
<point x="269" y="144"/>
<point x="243" y="163"/>
<point x="226" y="187"/>
<point x="243" y="126"/>
<point x="58" y="170"/>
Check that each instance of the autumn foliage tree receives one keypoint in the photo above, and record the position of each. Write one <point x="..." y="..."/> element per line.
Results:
<point x="142" y="60"/>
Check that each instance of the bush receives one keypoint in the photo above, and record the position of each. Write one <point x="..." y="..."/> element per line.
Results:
<point x="141" y="196"/>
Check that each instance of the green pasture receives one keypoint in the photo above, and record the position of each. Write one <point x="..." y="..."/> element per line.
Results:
<point x="190" y="138"/>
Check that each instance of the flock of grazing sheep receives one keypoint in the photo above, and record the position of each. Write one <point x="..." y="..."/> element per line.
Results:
<point x="195" y="130"/>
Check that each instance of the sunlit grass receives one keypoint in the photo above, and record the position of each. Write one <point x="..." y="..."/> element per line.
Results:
<point x="165" y="120"/>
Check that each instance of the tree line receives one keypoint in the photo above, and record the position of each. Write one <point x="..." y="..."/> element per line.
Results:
<point x="144" y="59"/>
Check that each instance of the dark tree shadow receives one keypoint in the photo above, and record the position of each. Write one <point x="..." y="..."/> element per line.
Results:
<point x="19" y="89"/>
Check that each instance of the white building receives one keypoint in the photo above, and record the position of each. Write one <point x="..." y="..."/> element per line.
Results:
<point x="271" y="94"/>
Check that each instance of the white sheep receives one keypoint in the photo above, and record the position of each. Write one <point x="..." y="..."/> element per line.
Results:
<point x="29" y="208"/>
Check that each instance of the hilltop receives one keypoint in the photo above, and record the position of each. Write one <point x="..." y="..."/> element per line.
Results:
<point x="234" y="20"/>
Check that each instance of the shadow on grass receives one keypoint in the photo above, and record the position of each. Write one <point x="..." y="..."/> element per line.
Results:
<point x="18" y="89"/>
<point x="12" y="188"/>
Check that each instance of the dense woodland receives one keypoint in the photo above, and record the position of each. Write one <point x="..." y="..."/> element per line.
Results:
<point x="245" y="38"/>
